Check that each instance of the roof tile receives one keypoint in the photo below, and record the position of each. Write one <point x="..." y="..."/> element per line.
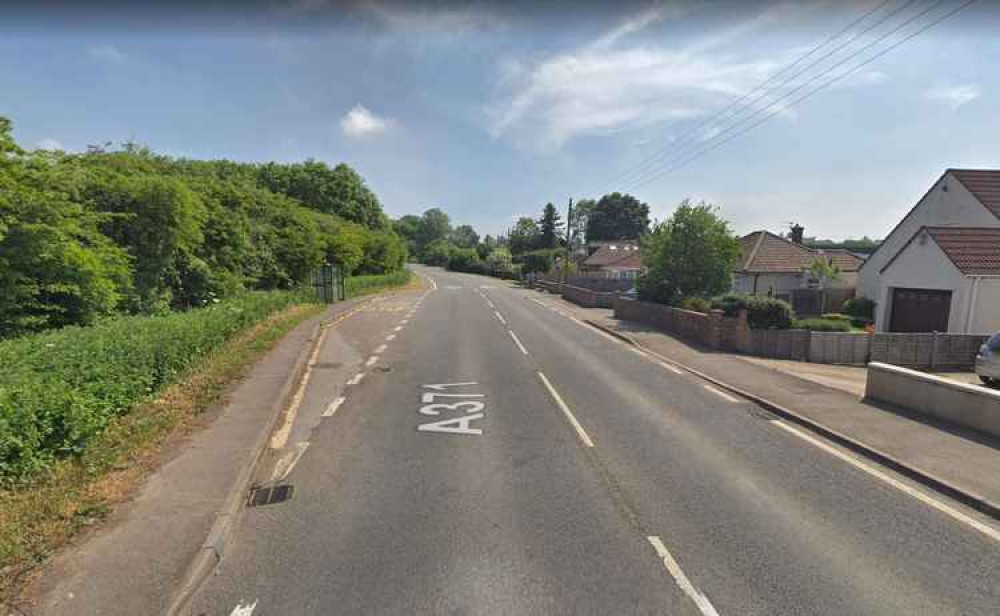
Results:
<point x="974" y="250"/>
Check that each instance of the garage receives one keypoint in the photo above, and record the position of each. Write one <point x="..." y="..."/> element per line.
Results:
<point x="920" y="310"/>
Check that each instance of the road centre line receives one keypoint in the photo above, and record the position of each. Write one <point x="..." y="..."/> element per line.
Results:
<point x="333" y="406"/>
<point x="721" y="394"/>
<point x="500" y="316"/>
<point x="356" y="378"/>
<point x="371" y="360"/>
<point x="390" y="337"/>
<point x="565" y="409"/>
<point x="704" y="605"/>
<point x="380" y="349"/>
<point x="398" y="328"/>
<point x="517" y="342"/>
<point x="957" y="515"/>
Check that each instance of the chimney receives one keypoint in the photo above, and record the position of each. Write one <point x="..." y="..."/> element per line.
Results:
<point x="797" y="231"/>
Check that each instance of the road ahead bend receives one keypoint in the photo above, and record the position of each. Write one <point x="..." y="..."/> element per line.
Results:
<point x="497" y="456"/>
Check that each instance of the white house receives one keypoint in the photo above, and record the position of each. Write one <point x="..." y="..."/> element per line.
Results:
<point x="939" y="269"/>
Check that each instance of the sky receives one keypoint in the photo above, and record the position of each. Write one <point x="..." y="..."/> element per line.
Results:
<point x="490" y="110"/>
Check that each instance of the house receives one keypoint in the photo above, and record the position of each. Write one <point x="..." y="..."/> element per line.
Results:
<point x="939" y="268"/>
<point x="779" y="267"/>
<point x="613" y="259"/>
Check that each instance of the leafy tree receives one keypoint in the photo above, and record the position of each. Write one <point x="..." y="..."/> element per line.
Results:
<point x="524" y="236"/>
<point x="464" y="260"/>
<point x="340" y="191"/>
<point x="549" y="226"/>
<point x="536" y="261"/>
<point x="617" y="217"/>
<point x="464" y="236"/>
<point x="576" y="226"/>
<point x="384" y="252"/>
<point x="434" y="225"/>
<point x="864" y="245"/>
<point x="408" y="228"/>
<point x="438" y="253"/>
<point x="689" y="255"/>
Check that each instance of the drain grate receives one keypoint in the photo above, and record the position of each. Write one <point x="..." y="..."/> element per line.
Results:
<point x="270" y="496"/>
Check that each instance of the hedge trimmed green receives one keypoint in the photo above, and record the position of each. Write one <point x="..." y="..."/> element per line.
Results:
<point x="762" y="312"/>
<point x="823" y="325"/>
<point x="359" y="285"/>
<point x="59" y="389"/>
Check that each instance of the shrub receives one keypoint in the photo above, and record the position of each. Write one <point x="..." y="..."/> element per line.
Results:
<point x="536" y="261"/>
<point x="836" y="316"/>
<point x="823" y="325"/>
<point x="730" y="303"/>
<point x="60" y="389"/>
<point x="769" y="313"/>
<point x="464" y="260"/>
<point x="697" y="304"/>
<point x="860" y="308"/>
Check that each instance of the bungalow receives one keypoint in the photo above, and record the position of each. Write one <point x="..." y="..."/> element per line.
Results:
<point x="779" y="267"/>
<point x="613" y="259"/>
<point x="939" y="268"/>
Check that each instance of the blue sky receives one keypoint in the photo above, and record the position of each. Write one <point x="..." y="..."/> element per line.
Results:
<point x="489" y="111"/>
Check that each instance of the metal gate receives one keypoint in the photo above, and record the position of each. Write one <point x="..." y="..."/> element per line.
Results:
<point x="328" y="281"/>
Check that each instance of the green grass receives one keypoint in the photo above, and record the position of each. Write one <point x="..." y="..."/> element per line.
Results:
<point x="39" y="515"/>
<point x="364" y="285"/>
<point x="60" y="389"/>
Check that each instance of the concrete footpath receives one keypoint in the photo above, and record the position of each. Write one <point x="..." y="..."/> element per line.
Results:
<point x="151" y="545"/>
<point x="961" y="463"/>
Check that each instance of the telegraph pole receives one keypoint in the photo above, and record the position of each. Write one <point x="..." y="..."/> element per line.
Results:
<point x="569" y="241"/>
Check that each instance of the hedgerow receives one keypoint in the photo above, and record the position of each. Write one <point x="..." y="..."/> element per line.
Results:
<point x="59" y="389"/>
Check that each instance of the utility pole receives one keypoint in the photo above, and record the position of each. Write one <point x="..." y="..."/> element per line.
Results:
<point x="569" y="240"/>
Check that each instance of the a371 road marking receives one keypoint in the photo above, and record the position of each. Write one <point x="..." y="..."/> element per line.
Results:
<point x="461" y="424"/>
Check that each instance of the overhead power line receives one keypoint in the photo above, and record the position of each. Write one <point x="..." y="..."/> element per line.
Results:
<point x="656" y="156"/>
<point x="809" y="93"/>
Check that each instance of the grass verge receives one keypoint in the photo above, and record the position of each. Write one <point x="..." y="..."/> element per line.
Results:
<point x="356" y="286"/>
<point x="39" y="517"/>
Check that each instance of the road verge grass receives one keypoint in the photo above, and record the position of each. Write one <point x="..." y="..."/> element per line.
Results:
<point x="41" y="514"/>
<point x="356" y="286"/>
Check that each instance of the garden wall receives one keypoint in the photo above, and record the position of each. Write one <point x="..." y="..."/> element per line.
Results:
<point x="587" y="297"/>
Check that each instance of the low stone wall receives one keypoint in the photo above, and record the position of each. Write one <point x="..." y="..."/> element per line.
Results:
<point x="588" y="298"/>
<point x="969" y="406"/>
<point x="552" y="286"/>
<point x="602" y="284"/>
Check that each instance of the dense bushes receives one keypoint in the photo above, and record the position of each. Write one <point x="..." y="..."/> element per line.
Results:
<point x="762" y="312"/>
<point x="822" y="325"/>
<point x="536" y="261"/>
<point x="102" y="232"/>
<point x="861" y="308"/>
<point x="59" y="389"/>
<point x="697" y="304"/>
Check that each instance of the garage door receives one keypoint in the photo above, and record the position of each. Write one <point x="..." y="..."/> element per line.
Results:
<point x="920" y="310"/>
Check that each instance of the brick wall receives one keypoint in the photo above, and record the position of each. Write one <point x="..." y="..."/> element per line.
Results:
<point x="587" y="298"/>
<point x="712" y="330"/>
<point x="602" y="284"/>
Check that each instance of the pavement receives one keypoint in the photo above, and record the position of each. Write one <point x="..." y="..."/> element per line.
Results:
<point x="478" y="448"/>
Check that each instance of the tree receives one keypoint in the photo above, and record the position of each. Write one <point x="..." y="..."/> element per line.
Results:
<point x="408" y="228"/>
<point x="549" y="225"/>
<point x="524" y="236"/>
<point x="823" y="270"/>
<point x="438" y="253"/>
<point x="434" y="225"/>
<point x="691" y="254"/>
<point x="464" y="236"/>
<point x="617" y="217"/>
<point x="340" y="191"/>
<point x="577" y="224"/>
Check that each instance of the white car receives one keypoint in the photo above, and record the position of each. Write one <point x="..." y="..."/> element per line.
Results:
<point x="988" y="361"/>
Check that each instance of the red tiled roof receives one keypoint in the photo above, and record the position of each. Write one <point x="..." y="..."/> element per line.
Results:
<point x="620" y="255"/>
<point x="974" y="250"/>
<point x="844" y="260"/>
<point x="765" y="252"/>
<point x="984" y="184"/>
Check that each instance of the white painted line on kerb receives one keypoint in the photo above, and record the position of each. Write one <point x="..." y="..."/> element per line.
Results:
<point x="390" y="337"/>
<point x="565" y="409"/>
<point x="704" y="605"/>
<point x="721" y="394"/>
<point x="985" y="529"/>
<point x="671" y="367"/>
<point x="356" y="378"/>
<point x="500" y="316"/>
<point x="371" y="360"/>
<point x="517" y="342"/>
<point x="380" y="349"/>
<point x="332" y="408"/>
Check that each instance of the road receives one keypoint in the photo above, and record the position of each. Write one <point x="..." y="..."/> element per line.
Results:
<point x="498" y="456"/>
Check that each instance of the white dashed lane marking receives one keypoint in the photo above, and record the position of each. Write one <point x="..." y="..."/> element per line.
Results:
<point x="333" y="406"/>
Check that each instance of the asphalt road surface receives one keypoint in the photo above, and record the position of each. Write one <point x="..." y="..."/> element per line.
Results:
<point x="498" y="456"/>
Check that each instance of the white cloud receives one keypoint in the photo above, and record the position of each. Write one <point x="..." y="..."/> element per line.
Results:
<point x="360" y="122"/>
<point x="108" y="54"/>
<point x="953" y="96"/>
<point x="606" y="87"/>
<point x="50" y="144"/>
<point x="414" y="18"/>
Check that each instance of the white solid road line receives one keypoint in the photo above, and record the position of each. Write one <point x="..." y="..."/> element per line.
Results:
<point x="985" y="529"/>
<point x="390" y="337"/>
<point x="371" y="360"/>
<point x="500" y="316"/>
<point x="565" y="409"/>
<point x="704" y="605"/>
<point x="721" y="394"/>
<point x="380" y="349"/>
<point x="517" y="342"/>
<point x="332" y="408"/>
<point x="356" y="378"/>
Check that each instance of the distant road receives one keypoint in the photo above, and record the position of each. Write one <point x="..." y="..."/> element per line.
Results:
<point x="489" y="454"/>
